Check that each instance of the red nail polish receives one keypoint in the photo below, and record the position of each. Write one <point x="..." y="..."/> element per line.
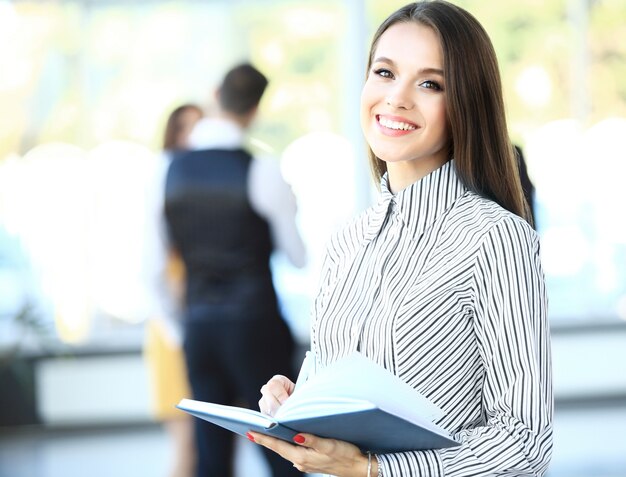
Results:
<point x="298" y="438"/>
<point x="250" y="436"/>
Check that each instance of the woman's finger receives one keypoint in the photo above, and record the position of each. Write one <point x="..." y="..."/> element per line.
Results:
<point x="328" y="447"/>
<point x="286" y="450"/>
<point x="268" y="404"/>
<point x="274" y="393"/>
<point x="281" y="387"/>
<point x="315" y="454"/>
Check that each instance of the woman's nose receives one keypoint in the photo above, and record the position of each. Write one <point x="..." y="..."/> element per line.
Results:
<point x="400" y="98"/>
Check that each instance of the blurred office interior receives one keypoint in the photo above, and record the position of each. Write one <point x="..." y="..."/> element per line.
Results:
<point x="85" y="89"/>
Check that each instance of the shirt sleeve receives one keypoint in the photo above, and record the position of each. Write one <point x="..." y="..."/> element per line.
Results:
<point x="272" y="198"/>
<point x="513" y="338"/>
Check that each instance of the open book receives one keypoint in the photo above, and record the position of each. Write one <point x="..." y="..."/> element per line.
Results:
<point x="354" y="400"/>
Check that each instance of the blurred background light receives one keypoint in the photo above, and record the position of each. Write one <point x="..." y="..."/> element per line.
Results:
<point x="534" y="86"/>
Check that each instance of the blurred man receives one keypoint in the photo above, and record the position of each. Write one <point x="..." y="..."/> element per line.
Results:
<point x="226" y="211"/>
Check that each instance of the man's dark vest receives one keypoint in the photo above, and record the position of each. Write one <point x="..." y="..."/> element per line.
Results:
<point x="225" y="245"/>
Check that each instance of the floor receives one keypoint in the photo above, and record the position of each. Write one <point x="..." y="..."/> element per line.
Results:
<point x="130" y="451"/>
<point x="589" y="442"/>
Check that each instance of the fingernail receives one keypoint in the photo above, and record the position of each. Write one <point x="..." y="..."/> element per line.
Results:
<point x="250" y="436"/>
<point x="298" y="438"/>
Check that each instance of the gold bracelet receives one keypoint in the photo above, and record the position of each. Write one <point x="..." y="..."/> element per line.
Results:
<point x="369" y="464"/>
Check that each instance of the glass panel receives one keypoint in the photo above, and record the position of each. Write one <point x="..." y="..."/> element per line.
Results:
<point x="86" y="73"/>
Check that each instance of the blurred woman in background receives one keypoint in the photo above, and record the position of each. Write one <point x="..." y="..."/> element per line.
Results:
<point x="166" y="278"/>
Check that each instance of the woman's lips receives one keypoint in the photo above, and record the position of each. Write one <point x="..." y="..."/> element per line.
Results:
<point x="395" y="126"/>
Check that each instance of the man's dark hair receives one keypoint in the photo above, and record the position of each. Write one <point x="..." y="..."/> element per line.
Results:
<point x="242" y="89"/>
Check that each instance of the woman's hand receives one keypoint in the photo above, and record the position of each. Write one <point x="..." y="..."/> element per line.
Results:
<point x="275" y="392"/>
<point x="314" y="454"/>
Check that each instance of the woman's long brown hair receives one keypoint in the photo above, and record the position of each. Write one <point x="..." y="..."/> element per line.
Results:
<point x="480" y="145"/>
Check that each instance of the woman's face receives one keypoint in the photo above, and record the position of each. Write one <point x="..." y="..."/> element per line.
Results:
<point x="403" y="103"/>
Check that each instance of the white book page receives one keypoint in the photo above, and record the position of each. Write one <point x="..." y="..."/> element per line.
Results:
<point x="354" y="380"/>
<point x="307" y="407"/>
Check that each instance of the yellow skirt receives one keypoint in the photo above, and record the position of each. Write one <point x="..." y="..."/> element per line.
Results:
<point x="167" y="372"/>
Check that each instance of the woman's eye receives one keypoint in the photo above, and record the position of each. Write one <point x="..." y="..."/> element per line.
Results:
<point x="382" y="72"/>
<point x="428" y="84"/>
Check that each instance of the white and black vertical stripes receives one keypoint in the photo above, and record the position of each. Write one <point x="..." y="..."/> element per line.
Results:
<point x="445" y="289"/>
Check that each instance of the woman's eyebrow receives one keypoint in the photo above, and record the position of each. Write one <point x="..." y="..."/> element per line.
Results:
<point x="428" y="70"/>
<point x="431" y="71"/>
<point x="383" y="59"/>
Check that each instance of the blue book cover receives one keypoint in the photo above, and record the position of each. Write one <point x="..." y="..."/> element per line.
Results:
<point x="353" y="400"/>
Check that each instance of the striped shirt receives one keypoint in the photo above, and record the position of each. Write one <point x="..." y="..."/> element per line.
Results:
<point x="445" y="289"/>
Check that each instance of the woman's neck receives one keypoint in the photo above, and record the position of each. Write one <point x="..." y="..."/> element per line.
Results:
<point x="404" y="173"/>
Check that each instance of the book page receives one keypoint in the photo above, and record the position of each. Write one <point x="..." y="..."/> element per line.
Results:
<point x="306" y="407"/>
<point x="353" y="383"/>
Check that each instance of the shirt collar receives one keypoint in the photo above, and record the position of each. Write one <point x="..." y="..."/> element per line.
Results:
<point x="420" y="204"/>
<point x="216" y="133"/>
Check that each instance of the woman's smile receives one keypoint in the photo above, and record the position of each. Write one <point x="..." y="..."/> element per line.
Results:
<point x="395" y="126"/>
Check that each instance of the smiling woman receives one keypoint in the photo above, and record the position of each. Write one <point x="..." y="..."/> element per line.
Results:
<point x="441" y="281"/>
<point x="403" y="105"/>
<point x="436" y="60"/>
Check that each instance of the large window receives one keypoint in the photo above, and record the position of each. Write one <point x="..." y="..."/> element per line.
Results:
<point x="86" y="86"/>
